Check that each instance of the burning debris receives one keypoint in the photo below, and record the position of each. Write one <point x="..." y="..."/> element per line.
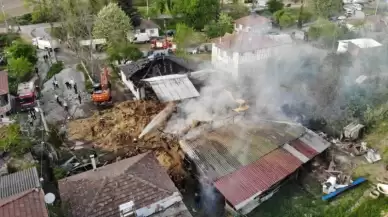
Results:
<point x="118" y="130"/>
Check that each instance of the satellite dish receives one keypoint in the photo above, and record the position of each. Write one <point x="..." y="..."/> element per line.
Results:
<point x="49" y="198"/>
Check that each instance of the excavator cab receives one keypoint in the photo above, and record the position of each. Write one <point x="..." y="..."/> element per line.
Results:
<point x="101" y="91"/>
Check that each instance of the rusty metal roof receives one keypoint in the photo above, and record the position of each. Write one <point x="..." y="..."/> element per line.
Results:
<point x="303" y="148"/>
<point x="255" y="178"/>
<point x="3" y="82"/>
<point x="226" y="149"/>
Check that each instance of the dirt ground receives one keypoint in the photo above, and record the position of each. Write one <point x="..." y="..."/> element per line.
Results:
<point x="117" y="129"/>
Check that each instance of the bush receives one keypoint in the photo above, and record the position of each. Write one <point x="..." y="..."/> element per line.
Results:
<point x="25" y="19"/>
<point x="6" y="39"/>
<point x="59" y="173"/>
<point x="55" y="69"/>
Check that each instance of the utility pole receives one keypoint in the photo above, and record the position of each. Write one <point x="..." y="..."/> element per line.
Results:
<point x="377" y="6"/>
<point x="4" y="15"/>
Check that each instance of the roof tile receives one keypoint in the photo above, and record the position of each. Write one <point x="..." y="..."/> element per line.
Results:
<point x="99" y="193"/>
<point x="28" y="203"/>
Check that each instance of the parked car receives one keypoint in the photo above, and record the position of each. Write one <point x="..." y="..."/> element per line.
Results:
<point x="44" y="44"/>
<point x="140" y="38"/>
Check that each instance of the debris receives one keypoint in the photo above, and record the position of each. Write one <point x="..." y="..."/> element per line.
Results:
<point x="372" y="156"/>
<point x="382" y="188"/>
<point x="353" y="131"/>
<point x="118" y="128"/>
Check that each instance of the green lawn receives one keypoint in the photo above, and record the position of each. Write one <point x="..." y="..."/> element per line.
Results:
<point x="294" y="201"/>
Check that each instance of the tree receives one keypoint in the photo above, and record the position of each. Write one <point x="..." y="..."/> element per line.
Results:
<point x="11" y="140"/>
<point x="123" y="54"/>
<point x="325" y="8"/>
<point x="327" y="32"/>
<point x="220" y="27"/>
<point x="21" y="49"/>
<point x="20" y="68"/>
<point x="274" y="5"/>
<point x="197" y="13"/>
<point x="183" y="35"/>
<point x="112" y="24"/>
<point x="236" y="10"/>
<point x="130" y="11"/>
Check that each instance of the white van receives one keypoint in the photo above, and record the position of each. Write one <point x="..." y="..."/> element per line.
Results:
<point x="140" y="38"/>
<point x="44" y="44"/>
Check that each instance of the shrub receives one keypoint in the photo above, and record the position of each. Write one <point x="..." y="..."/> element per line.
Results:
<point x="54" y="69"/>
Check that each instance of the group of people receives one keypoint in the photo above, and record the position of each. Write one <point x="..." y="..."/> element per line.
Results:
<point x="69" y="85"/>
<point x="31" y="116"/>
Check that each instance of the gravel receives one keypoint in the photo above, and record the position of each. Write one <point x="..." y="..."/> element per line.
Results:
<point x="53" y="111"/>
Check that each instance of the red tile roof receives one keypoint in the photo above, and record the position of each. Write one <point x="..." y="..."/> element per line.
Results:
<point x="258" y="176"/>
<point x="99" y="193"/>
<point x="303" y="148"/>
<point x="252" y="20"/>
<point x="3" y="82"/>
<point x="26" y="204"/>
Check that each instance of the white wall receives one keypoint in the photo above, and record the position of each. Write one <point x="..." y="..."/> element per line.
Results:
<point x="153" y="32"/>
<point x="130" y="85"/>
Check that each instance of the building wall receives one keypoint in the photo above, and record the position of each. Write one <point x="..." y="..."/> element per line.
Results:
<point x="135" y="91"/>
<point x="5" y="104"/>
<point x="153" y="32"/>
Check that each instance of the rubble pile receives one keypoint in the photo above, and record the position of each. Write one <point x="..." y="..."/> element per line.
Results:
<point x="117" y="130"/>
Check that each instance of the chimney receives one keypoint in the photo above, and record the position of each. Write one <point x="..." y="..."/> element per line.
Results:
<point x="92" y="157"/>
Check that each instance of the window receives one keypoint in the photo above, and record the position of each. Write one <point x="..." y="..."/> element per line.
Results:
<point x="142" y="30"/>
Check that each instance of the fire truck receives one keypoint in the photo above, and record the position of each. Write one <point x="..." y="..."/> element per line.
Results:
<point x="27" y="95"/>
<point x="163" y="44"/>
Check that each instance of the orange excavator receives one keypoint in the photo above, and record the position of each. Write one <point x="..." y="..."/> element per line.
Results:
<point x="101" y="95"/>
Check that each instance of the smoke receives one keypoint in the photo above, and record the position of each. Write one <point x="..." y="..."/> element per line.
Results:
<point x="297" y="83"/>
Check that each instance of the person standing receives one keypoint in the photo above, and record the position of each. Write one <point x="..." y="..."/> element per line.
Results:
<point x="75" y="88"/>
<point x="68" y="85"/>
<point x="79" y="99"/>
<point x="37" y="71"/>
<point x="71" y="82"/>
<point x="65" y="106"/>
<point x="30" y="121"/>
<point x="57" y="99"/>
<point x="32" y="112"/>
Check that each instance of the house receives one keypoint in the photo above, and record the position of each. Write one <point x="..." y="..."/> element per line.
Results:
<point x="253" y="22"/>
<point x="376" y="23"/>
<point x="139" y="75"/>
<point x="248" y="162"/>
<point x="5" y="97"/>
<point x="231" y="52"/>
<point x="355" y="46"/>
<point x="149" y="27"/>
<point x="137" y="184"/>
<point x="21" y="195"/>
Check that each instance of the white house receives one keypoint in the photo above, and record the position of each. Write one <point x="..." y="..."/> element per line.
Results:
<point x="253" y="22"/>
<point x="232" y="52"/>
<point x="354" y="46"/>
<point x="149" y="27"/>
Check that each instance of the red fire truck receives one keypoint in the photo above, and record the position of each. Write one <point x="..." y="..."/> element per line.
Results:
<point x="27" y="95"/>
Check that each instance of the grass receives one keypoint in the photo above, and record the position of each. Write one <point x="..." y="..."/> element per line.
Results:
<point x="54" y="69"/>
<point x="293" y="201"/>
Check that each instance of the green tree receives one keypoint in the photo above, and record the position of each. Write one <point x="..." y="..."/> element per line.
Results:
<point x="327" y="33"/>
<point x="236" y="10"/>
<point x="274" y="5"/>
<point x="218" y="28"/>
<point x="11" y="140"/>
<point x="325" y="8"/>
<point x="197" y="13"/>
<point x="123" y="54"/>
<point x="112" y="24"/>
<point x="20" y="68"/>
<point x="183" y="35"/>
<point x="21" y="49"/>
<point x="130" y="11"/>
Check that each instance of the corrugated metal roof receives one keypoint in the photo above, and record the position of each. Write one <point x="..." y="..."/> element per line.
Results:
<point x="172" y="87"/>
<point x="314" y="141"/>
<point x="303" y="148"/>
<point x="257" y="177"/>
<point x="18" y="182"/>
<point x="3" y="82"/>
<point x="226" y="149"/>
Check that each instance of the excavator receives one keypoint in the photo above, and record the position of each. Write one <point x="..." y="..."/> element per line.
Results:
<point x="101" y="95"/>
